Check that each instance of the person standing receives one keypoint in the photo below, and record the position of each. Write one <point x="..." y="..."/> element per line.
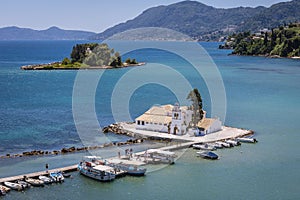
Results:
<point x="47" y="166"/>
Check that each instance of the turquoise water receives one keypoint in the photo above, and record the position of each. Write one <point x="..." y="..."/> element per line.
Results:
<point x="263" y="94"/>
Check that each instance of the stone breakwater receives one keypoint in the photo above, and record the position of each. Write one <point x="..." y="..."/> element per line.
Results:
<point x="71" y="149"/>
<point x="117" y="129"/>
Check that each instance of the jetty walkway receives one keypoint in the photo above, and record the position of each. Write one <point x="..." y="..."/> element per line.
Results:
<point x="40" y="173"/>
<point x="184" y="141"/>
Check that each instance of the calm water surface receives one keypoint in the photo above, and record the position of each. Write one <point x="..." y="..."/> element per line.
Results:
<point x="262" y="94"/>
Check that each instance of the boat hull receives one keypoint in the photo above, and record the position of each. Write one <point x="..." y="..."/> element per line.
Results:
<point x="98" y="177"/>
<point x="208" y="155"/>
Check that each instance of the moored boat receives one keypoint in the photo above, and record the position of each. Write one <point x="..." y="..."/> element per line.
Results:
<point x="14" y="186"/>
<point x="57" y="177"/>
<point x="98" y="172"/>
<point x="247" y="140"/>
<point x="224" y="144"/>
<point x="46" y="180"/>
<point x="204" y="147"/>
<point x="208" y="155"/>
<point x="131" y="167"/>
<point x="216" y="145"/>
<point x="24" y="184"/>
<point x="4" y="189"/>
<point x="66" y="175"/>
<point x="35" y="182"/>
<point x="233" y="142"/>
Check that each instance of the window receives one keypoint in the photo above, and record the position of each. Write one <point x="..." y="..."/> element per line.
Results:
<point x="143" y="123"/>
<point x="138" y="122"/>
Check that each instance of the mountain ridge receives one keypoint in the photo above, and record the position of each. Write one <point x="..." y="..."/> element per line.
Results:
<point x="51" y="33"/>
<point x="197" y="19"/>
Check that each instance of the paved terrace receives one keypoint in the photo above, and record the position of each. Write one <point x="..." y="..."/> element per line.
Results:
<point x="225" y="133"/>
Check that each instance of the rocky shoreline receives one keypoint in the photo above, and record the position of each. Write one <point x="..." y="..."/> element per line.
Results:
<point x="71" y="149"/>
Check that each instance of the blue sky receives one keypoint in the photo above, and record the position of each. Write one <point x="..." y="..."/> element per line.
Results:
<point x="91" y="15"/>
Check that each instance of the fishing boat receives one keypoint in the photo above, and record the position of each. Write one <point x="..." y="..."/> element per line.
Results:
<point x="208" y="155"/>
<point x="131" y="167"/>
<point x="98" y="172"/>
<point x="224" y="144"/>
<point x="204" y="147"/>
<point x="35" y="182"/>
<point x="14" y="186"/>
<point x="247" y="140"/>
<point x="233" y="142"/>
<point x="24" y="184"/>
<point x="57" y="177"/>
<point x="47" y="180"/>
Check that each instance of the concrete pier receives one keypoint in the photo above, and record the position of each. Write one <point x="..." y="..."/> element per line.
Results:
<point x="40" y="173"/>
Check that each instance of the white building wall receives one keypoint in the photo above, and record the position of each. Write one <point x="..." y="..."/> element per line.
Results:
<point x="159" y="127"/>
<point x="215" y="126"/>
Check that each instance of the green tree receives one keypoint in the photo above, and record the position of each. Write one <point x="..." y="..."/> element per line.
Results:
<point x="195" y="97"/>
<point x="66" y="61"/>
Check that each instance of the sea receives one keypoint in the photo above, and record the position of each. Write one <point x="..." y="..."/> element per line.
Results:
<point x="38" y="112"/>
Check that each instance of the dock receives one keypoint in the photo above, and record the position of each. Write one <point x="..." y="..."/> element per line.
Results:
<point x="40" y="173"/>
<point x="183" y="141"/>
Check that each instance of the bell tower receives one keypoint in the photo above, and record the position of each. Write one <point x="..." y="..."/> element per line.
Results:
<point x="176" y="120"/>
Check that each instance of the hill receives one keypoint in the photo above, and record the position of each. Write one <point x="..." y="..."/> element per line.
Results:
<point x="279" y="42"/>
<point x="52" y="33"/>
<point x="204" y="22"/>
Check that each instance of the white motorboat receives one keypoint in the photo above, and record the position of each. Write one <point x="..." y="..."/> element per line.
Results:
<point x="14" y="186"/>
<point x="216" y="145"/>
<point x="208" y="155"/>
<point x="131" y="167"/>
<point x="24" y="184"/>
<point x="35" y="182"/>
<point x="157" y="156"/>
<point x="57" y="177"/>
<point x="224" y="144"/>
<point x="247" y="140"/>
<point x="97" y="172"/>
<point x="204" y="147"/>
<point x="46" y="180"/>
<point x="233" y="142"/>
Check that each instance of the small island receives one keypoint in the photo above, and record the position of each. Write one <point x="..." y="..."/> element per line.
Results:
<point x="279" y="42"/>
<point x="88" y="56"/>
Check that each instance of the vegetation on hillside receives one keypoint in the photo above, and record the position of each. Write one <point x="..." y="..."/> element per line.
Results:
<point x="282" y="41"/>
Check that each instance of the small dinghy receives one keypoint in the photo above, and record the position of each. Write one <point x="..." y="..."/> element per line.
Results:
<point x="66" y="175"/>
<point x="14" y="186"/>
<point x="57" y="177"/>
<point x="247" y="140"/>
<point x="35" y="182"/>
<point x="204" y="147"/>
<point x="208" y="155"/>
<point x="46" y="180"/>
<point x="24" y="184"/>
<point x="233" y="142"/>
